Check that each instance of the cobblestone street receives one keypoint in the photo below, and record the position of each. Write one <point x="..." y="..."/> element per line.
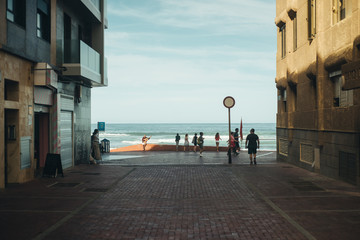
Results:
<point x="195" y="200"/>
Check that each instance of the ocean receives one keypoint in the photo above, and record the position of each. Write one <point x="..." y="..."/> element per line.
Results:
<point x="121" y="135"/>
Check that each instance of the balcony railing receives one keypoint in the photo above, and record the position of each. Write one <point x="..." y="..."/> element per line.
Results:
<point x="81" y="60"/>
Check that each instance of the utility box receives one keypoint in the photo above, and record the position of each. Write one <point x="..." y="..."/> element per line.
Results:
<point x="105" y="146"/>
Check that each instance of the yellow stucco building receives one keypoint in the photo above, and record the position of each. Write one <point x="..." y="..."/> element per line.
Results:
<point x="51" y="56"/>
<point x="318" y="81"/>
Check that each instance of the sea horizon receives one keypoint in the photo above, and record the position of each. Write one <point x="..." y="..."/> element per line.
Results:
<point x="128" y="134"/>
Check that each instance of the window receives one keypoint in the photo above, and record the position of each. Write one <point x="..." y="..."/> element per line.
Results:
<point x="339" y="10"/>
<point x="295" y="32"/>
<point x="43" y="20"/>
<point x="16" y="12"/>
<point x="11" y="92"/>
<point x="294" y="97"/>
<point x="341" y="98"/>
<point x="311" y="19"/>
<point x="283" y="40"/>
<point x="282" y="100"/>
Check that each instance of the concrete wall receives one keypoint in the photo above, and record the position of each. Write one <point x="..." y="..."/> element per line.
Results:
<point x="19" y="113"/>
<point x="311" y="118"/>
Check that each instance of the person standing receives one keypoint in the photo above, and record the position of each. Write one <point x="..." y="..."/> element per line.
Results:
<point x="236" y="149"/>
<point x="217" y="141"/>
<point x="194" y="141"/>
<point x="144" y="141"/>
<point x="201" y="143"/>
<point x="186" y="142"/>
<point x="95" y="147"/>
<point x="252" y="143"/>
<point x="177" y="140"/>
<point x="231" y="143"/>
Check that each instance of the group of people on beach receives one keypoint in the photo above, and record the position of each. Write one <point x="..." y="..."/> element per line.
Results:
<point x="252" y="143"/>
<point x="196" y="141"/>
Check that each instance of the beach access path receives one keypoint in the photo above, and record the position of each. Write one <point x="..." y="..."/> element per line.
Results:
<point x="177" y="195"/>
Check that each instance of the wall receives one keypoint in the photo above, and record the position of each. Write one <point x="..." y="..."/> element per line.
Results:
<point x="311" y="119"/>
<point x="24" y="42"/>
<point x="20" y="114"/>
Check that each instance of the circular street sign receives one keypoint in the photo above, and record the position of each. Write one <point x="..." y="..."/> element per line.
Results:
<point x="229" y="102"/>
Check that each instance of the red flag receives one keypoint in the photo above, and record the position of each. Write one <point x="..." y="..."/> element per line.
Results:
<point x="241" y="135"/>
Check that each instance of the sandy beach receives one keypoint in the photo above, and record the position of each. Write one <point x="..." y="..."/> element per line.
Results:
<point x="158" y="147"/>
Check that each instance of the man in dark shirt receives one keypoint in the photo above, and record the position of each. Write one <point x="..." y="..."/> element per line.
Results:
<point x="237" y="145"/>
<point x="252" y="143"/>
<point x="177" y="139"/>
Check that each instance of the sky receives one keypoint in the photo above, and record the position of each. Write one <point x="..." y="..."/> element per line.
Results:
<point x="172" y="61"/>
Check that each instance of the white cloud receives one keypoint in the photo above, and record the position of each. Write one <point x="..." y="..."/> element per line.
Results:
<point x="175" y="61"/>
<point x="220" y="17"/>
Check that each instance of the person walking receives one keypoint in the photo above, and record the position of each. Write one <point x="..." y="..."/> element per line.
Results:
<point x="252" y="143"/>
<point x="217" y="141"/>
<point x="144" y="141"/>
<point x="236" y="149"/>
<point x="201" y="143"/>
<point x="194" y="141"/>
<point x="177" y="140"/>
<point x="186" y="143"/>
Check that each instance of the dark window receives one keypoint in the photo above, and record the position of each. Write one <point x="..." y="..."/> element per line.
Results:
<point x="11" y="92"/>
<point x="67" y="39"/>
<point x="43" y="20"/>
<point x="311" y="19"/>
<point x="342" y="98"/>
<point x="342" y="9"/>
<point x="283" y="40"/>
<point x="80" y="33"/>
<point x="16" y="12"/>
<point x="283" y="99"/>
<point x="294" y="96"/>
<point x="295" y="32"/>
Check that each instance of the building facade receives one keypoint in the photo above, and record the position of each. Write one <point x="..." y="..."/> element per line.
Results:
<point x="318" y="81"/>
<point x="51" y="55"/>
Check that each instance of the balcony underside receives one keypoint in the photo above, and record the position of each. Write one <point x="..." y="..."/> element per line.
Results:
<point x="83" y="74"/>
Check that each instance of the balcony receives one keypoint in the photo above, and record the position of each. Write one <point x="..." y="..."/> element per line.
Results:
<point x="83" y="62"/>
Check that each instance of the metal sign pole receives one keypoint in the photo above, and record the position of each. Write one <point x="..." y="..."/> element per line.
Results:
<point x="229" y="102"/>
<point x="229" y="152"/>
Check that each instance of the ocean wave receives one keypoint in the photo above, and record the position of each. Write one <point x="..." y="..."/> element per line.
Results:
<point x="101" y="135"/>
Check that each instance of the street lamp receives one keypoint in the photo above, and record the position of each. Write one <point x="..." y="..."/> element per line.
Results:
<point x="229" y="102"/>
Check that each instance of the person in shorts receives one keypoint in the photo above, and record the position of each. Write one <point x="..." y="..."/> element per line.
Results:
<point x="217" y="141"/>
<point x="177" y="140"/>
<point x="252" y="144"/>
<point x="144" y="141"/>
<point x="201" y="143"/>
<point x="194" y="141"/>
<point x="186" y="142"/>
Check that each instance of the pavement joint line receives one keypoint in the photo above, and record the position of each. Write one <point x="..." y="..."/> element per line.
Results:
<point x="32" y="211"/>
<point x="307" y="196"/>
<point x="43" y="197"/>
<point x="76" y="211"/>
<point x="262" y="155"/>
<point x="324" y="211"/>
<point x="278" y="209"/>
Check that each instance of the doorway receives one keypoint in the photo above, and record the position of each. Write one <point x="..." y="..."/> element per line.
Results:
<point x="41" y="146"/>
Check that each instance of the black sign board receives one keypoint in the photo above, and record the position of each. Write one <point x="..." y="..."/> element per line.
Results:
<point x="53" y="165"/>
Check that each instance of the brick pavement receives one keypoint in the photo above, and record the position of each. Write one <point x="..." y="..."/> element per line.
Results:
<point x="166" y="199"/>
